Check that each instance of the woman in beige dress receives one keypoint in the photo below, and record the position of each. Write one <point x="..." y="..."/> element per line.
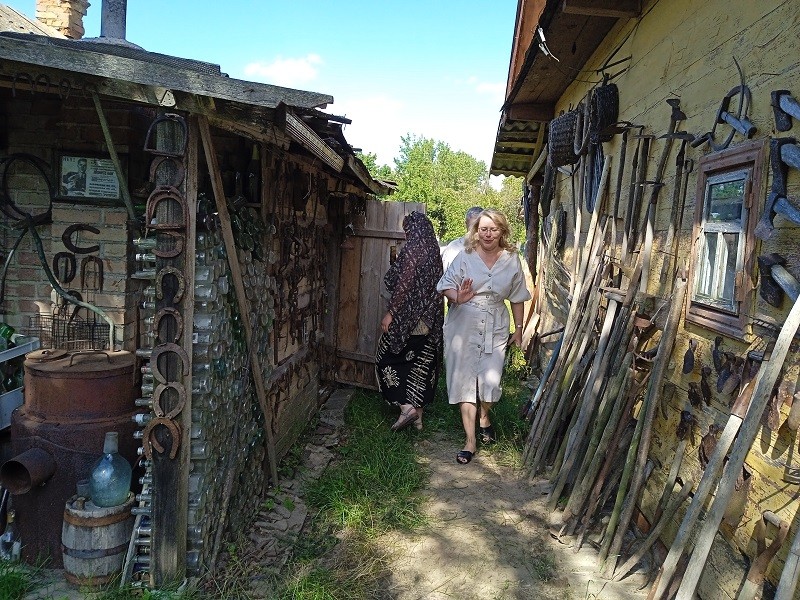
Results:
<point x="476" y="331"/>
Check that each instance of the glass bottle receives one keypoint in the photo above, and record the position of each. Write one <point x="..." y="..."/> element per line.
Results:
<point x="110" y="481"/>
<point x="10" y="545"/>
<point x="6" y="331"/>
<point x="254" y="176"/>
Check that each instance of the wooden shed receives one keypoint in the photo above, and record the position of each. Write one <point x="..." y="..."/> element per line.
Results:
<point x="212" y="228"/>
<point x="657" y="139"/>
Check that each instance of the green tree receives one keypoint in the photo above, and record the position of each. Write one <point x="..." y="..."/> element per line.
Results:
<point x="446" y="181"/>
<point x="370" y="161"/>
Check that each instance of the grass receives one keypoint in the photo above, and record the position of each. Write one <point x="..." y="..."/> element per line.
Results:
<point x="374" y="488"/>
<point x="15" y="581"/>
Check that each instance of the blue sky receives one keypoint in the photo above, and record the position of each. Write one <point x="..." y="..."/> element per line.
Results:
<point x="432" y="68"/>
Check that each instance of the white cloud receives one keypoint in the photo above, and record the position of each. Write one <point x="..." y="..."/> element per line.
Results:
<point x="492" y="89"/>
<point x="378" y="123"/>
<point x="288" y="72"/>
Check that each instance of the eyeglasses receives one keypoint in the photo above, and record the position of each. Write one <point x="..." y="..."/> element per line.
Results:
<point x="489" y="229"/>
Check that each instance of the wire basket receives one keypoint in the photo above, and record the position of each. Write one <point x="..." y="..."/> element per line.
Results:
<point x="69" y="332"/>
<point x="561" y="139"/>
<point x="603" y="111"/>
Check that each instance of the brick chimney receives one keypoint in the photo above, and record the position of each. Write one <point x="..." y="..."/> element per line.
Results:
<point x="64" y="15"/>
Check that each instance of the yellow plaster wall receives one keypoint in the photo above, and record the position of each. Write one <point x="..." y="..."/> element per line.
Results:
<point x="683" y="49"/>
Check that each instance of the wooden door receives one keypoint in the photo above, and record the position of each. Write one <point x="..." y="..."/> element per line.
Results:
<point x="365" y="257"/>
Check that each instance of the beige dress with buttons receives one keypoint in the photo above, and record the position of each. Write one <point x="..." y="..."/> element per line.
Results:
<point x="476" y="332"/>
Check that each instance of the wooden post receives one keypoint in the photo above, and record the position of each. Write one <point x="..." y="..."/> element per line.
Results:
<point x="238" y="284"/>
<point x="660" y="363"/>
<point x="765" y="381"/>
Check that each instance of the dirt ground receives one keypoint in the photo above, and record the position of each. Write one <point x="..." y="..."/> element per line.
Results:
<point x="489" y="538"/>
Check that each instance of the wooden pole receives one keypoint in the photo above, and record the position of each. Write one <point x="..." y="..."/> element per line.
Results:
<point x="238" y="284"/>
<point x="765" y="381"/>
<point x="655" y="531"/>
<point x="660" y="363"/>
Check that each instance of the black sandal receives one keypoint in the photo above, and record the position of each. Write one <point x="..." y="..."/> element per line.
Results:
<point x="486" y="435"/>
<point x="464" y="456"/>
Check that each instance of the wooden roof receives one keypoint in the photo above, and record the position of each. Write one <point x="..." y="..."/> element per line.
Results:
<point x="13" y="20"/>
<point x="119" y="69"/>
<point x="573" y="29"/>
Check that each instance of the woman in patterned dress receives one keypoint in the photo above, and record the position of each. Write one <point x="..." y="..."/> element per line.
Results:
<point x="409" y="351"/>
<point x="477" y="283"/>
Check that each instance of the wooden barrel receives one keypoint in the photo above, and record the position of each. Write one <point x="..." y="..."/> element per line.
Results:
<point x="94" y="541"/>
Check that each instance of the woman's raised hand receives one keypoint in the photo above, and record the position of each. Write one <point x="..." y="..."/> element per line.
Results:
<point x="465" y="292"/>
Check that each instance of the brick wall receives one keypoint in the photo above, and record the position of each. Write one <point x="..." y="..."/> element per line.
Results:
<point x="66" y="16"/>
<point x="44" y="126"/>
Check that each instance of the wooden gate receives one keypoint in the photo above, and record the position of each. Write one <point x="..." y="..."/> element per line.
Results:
<point x="365" y="257"/>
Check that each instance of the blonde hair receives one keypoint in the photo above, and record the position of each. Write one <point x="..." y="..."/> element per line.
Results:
<point x="500" y="220"/>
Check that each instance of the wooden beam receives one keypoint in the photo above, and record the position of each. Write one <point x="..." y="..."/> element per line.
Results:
<point x="526" y="158"/>
<point x="515" y="144"/>
<point x="603" y="8"/>
<point x="39" y="50"/>
<point x="530" y="111"/>
<point x="238" y="284"/>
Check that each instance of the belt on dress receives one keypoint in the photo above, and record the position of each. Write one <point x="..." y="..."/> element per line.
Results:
<point x="487" y="305"/>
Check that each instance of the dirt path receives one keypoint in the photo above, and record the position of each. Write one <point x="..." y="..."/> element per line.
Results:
<point x="489" y="538"/>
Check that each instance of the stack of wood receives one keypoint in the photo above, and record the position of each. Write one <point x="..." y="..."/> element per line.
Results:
<point x="582" y="413"/>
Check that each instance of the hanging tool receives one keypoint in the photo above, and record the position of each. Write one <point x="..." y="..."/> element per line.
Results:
<point x="784" y="106"/>
<point x="764" y="554"/>
<point x="676" y="116"/>
<point x="780" y="149"/>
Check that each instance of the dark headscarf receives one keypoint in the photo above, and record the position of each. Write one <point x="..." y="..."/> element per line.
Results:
<point x="412" y="280"/>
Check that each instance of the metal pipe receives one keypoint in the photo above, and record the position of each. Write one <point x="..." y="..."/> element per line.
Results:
<point x="113" y="19"/>
<point x="27" y="470"/>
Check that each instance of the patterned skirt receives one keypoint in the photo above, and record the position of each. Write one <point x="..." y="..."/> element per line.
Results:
<point x="410" y="376"/>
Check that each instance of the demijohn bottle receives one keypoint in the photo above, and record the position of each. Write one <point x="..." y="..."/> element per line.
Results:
<point x="110" y="480"/>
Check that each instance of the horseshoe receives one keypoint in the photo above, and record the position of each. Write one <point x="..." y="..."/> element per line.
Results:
<point x="176" y="235"/>
<point x="181" y="283"/>
<point x="161" y="193"/>
<point x="175" y="118"/>
<point x="161" y="349"/>
<point x="21" y="75"/>
<point x="64" y="88"/>
<point x="181" y="391"/>
<point x="66" y="238"/>
<point x="172" y="312"/>
<point x="180" y="170"/>
<point x="67" y="261"/>
<point x="44" y="80"/>
<point x="149" y="443"/>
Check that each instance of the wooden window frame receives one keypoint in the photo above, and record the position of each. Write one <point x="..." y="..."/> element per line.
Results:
<point x="749" y="156"/>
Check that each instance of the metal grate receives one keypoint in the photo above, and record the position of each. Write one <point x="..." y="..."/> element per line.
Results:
<point x="69" y="332"/>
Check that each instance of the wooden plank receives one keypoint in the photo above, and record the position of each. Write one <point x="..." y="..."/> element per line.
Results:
<point x="629" y="9"/>
<point x="171" y="476"/>
<point x="236" y="276"/>
<point x="349" y="283"/>
<point x="37" y="50"/>
<point x="531" y="111"/>
<point x="374" y="264"/>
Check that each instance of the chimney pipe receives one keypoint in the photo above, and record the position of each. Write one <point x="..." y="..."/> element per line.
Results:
<point x="113" y="19"/>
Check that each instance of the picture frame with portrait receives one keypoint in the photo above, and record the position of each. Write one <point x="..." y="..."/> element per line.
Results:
<point x="87" y="178"/>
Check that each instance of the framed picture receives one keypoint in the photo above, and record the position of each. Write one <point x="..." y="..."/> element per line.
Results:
<point x="87" y="178"/>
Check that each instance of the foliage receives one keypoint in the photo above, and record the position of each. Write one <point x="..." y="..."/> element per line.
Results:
<point x="448" y="182"/>
<point x="14" y="582"/>
<point x="374" y="485"/>
<point x="370" y="161"/>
